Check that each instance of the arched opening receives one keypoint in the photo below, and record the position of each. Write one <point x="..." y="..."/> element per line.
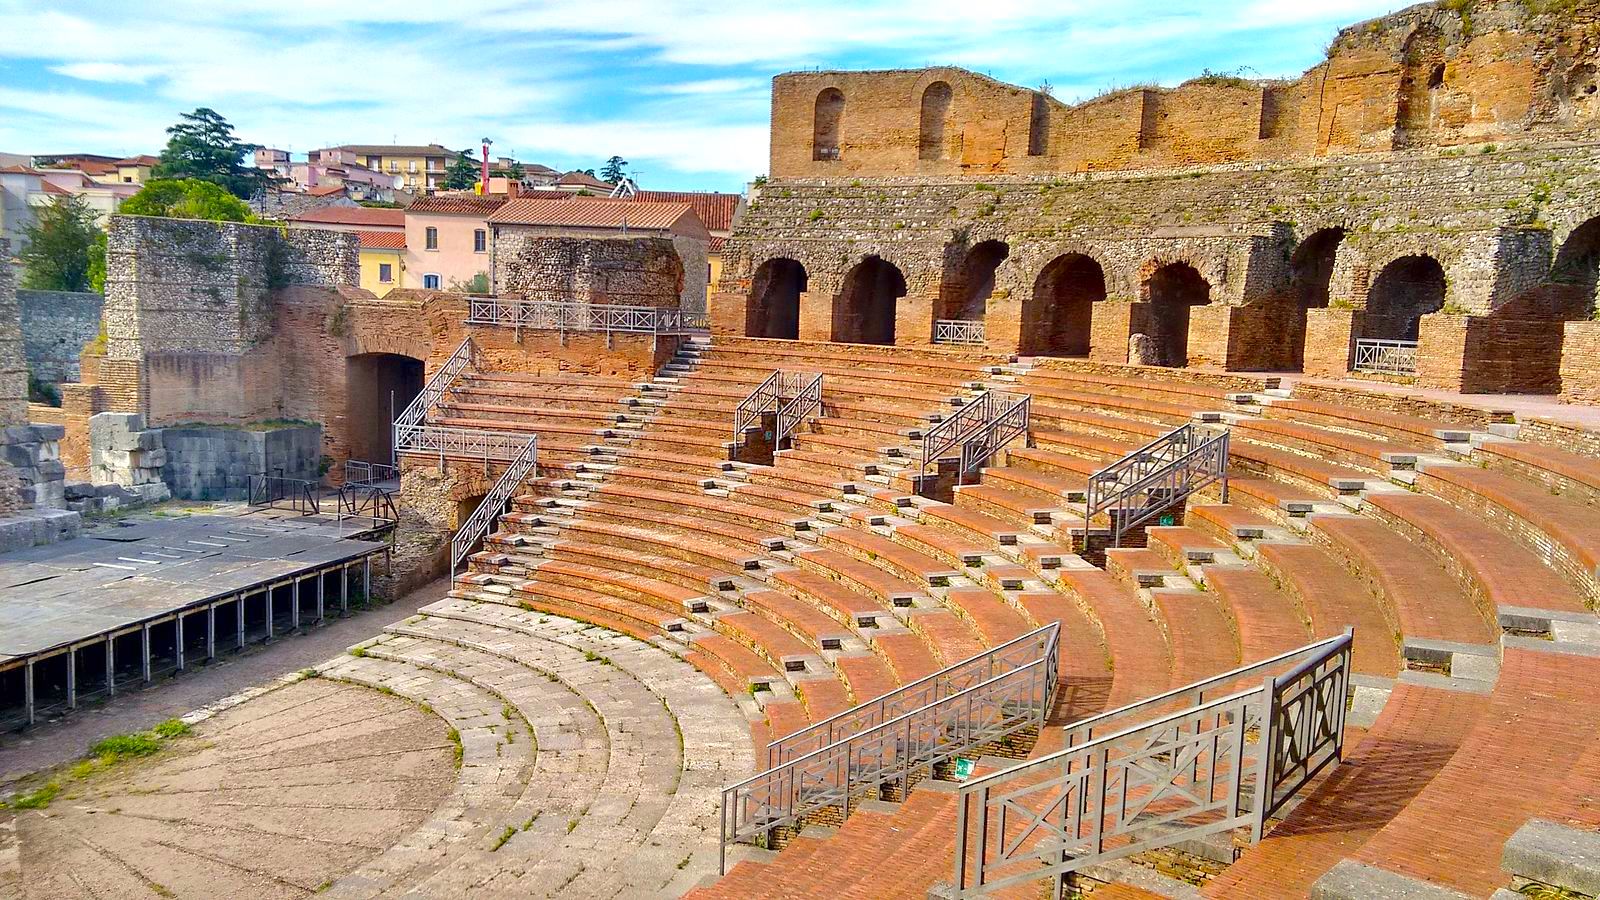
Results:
<point x="773" y="308"/>
<point x="935" y="111"/>
<point x="1056" y="319"/>
<point x="1577" y="266"/>
<point x="966" y="290"/>
<point x="378" y="387"/>
<point x="1422" y="75"/>
<point x="827" y="118"/>
<point x="863" y="313"/>
<point x="1405" y="291"/>
<point x="1310" y="274"/>
<point x="1172" y="291"/>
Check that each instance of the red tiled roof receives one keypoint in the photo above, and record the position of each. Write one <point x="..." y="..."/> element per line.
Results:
<point x="716" y="210"/>
<point x="585" y="179"/>
<point x="326" y="190"/>
<point x="143" y="159"/>
<point x="354" y="215"/>
<point x="457" y="204"/>
<point x="382" y="240"/>
<point x="715" y="244"/>
<point x="55" y="189"/>
<point x="19" y="170"/>
<point x="582" y="212"/>
<point x="89" y="166"/>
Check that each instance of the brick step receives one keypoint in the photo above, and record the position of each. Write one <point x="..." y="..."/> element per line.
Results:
<point x="1414" y="431"/>
<point x="1338" y="448"/>
<point x="888" y="590"/>
<point x="884" y="553"/>
<point x="1021" y="511"/>
<point x="673" y="599"/>
<point x="780" y="499"/>
<point x="691" y="529"/>
<point x="591" y="417"/>
<point x="823" y="696"/>
<point x="583" y="604"/>
<point x="1563" y="473"/>
<point x="712" y="555"/>
<point x="1268" y="619"/>
<point x="949" y="548"/>
<point x="993" y="619"/>
<point x="1134" y="636"/>
<point x="695" y="502"/>
<point x="684" y="574"/>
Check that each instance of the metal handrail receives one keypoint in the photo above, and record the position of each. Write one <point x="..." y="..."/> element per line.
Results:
<point x="983" y="442"/>
<point x="1177" y="464"/>
<point x="959" y="331"/>
<point x="1386" y="357"/>
<point x="581" y="315"/>
<point x="494" y="503"/>
<point x="360" y="473"/>
<point x="948" y="432"/>
<point x="1186" y="774"/>
<point x="476" y="443"/>
<point x="981" y="421"/>
<point x="791" y="412"/>
<point x="416" y="412"/>
<point x="271" y="490"/>
<point x="367" y="501"/>
<point x="891" y="750"/>
<point x="946" y="682"/>
<point x="759" y="400"/>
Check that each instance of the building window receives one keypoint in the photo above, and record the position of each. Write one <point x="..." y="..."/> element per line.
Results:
<point x="431" y="239"/>
<point x="708" y="272"/>
<point x="430" y="282"/>
<point x="413" y="165"/>
<point x="480" y="241"/>
<point x="385" y="272"/>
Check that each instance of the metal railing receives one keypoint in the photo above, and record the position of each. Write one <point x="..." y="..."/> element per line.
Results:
<point x="494" y="503"/>
<point x="978" y="417"/>
<point x="981" y="444"/>
<point x="1222" y="763"/>
<point x="1139" y="486"/>
<point x="794" y="410"/>
<point x="470" y="443"/>
<point x="360" y="473"/>
<point x="418" y="411"/>
<point x="367" y="501"/>
<point x="958" y="331"/>
<point x="579" y="315"/>
<point x="278" y="492"/>
<point x="1386" y="357"/>
<point x="843" y="772"/>
<point x="947" y="682"/>
<point x="748" y="413"/>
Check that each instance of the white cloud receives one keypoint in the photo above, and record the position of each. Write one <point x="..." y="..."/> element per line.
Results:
<point x="114" y="73"/>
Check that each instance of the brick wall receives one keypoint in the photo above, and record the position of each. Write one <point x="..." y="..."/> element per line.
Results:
<point x="55" y="326"/>
<point x="1580" y="362"/>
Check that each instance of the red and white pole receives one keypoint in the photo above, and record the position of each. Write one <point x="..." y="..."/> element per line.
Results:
<point x="483" y="184"/>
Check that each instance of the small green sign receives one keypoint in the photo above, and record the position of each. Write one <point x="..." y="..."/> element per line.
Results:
<point x="1169" y="519"/>
<point x="964" y="768"/>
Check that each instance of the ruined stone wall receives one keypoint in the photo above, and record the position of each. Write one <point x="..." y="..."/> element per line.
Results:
<point x="55" y="327"/>
<point x="543" y="264"/>
<point x="1427" y="76"/>
<point x="13" y="367"/>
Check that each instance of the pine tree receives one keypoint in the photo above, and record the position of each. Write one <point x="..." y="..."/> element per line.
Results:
<point x="616" y="169"/>
<point x="203" y="147"/>
<point x="462" y="173"/>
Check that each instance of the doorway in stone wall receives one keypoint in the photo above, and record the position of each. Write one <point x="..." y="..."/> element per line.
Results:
<point x="1173" y="291"/>
<point x="863" y="313"/>
<point x="1057" y="317"/>
<point x="1404" y="291"/>
<point x="773" y="308"/>
<point x="378" y="387"/>
<point x="1310" y="278"/>
<point x="969" y="283"/>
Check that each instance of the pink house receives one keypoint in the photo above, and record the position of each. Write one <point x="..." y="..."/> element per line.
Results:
<point x="447" y="240"/>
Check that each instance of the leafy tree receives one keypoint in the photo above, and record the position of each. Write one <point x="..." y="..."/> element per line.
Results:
<point x="616" y="169"/>
<point x="462" y="173"/>
<point x="515" y="171"/>
<point x="187" y="199"/>
<point x="59" y="242"/>
<point x="203" y="147"/>
<point x="97" y="263"/>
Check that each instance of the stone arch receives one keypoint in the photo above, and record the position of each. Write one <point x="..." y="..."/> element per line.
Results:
<point x="1422" y="76"/>
<point x="1311" y="267"/>
<point x="968" y="285"/>
<point x="1577" y="264"/>
<point x="1172" y="291"/>
<point x="932" y="142"/>
<point x="864" y="308"/>
<point x="1058" y="313"/>
<point x="1405" y="290"/>
<point x="826" y="123"/>
<point x="378" y="387"/>
<point x="773" y="308"/>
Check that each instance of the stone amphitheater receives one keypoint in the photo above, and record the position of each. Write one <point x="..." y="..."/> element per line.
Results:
<point x="896" y="575"/>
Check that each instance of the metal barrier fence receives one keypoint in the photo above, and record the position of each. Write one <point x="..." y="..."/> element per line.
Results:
<point x="958" y="331"/>
<point x="578" y="315"/>
<point x="1223" y="763"/>
<point x="494" y="503"/>
<point x="359" y="473"/>
<point x="1139" y="486"/>
<point x="278" y="492"/>
<point x="855" y="766"/>
<point x="977" y="422"/>
<point x="1386" y="357"/>
<point x="367" y="501"/>
<point x="470" y="443"/>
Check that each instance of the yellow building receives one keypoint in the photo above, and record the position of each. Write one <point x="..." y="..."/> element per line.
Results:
<point x="420" y="168"/>
<point x="135" y="169"/>
<point x="382" y="260"/>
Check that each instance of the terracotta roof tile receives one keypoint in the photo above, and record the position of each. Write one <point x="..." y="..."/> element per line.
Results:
<point x="715" y="244"/>
<point x="382" y="240"/>
<point x="19" y="170"/>
<point x="584" y="212"/>
<point x="586" y="180"/>
<point x="143" y="159"/>
<point x="457" y="204"/>
<point x="326" y="190"/>
<point x="370" y="217"/>
<point x="716" y="210"/>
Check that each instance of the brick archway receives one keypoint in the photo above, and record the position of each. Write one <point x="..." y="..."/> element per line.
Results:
<point x="1406" y="289"/>
<point x="864" y="309"/>
<point x="1173" y="290"/>
<point x="772" y="309"/>
<point x="1058" y="314"/>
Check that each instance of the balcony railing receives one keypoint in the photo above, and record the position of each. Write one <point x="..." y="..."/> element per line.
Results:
<point x="578" y="315"/>
<point x="1386" y="357"/>
<point x="958" y="331"/>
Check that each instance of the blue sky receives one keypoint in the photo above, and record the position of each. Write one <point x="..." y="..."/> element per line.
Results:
<point x="678" y="87"/>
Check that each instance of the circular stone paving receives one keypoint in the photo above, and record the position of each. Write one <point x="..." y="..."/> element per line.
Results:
<point x="276" y="797"/>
